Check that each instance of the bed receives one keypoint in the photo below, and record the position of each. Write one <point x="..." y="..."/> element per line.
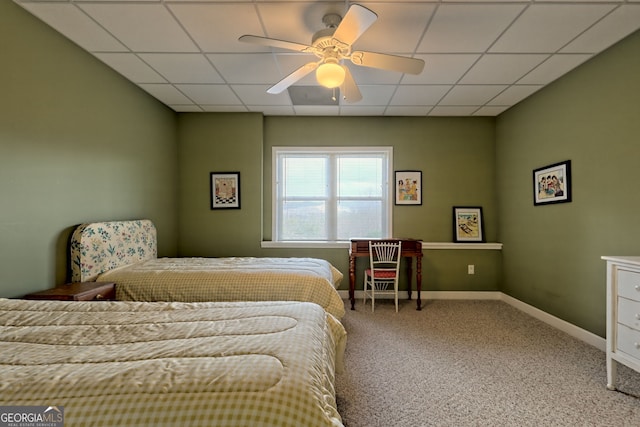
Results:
<point x="123" y="363"/>
<point x="125" y="253"/>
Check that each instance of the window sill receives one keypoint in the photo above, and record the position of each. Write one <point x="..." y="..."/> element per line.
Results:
<point x="345" y="245"/>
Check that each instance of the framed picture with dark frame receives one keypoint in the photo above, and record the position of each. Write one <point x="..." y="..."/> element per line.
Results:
<point x="468" y="224"/>
<point x="552" y="184"/>
<point x="225" y="190"/>
<point x="408" y="187"/>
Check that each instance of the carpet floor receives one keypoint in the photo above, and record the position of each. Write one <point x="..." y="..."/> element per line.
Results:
<point x="474" y="363"/>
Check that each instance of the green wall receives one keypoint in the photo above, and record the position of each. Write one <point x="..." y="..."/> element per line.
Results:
<point x="551" y="254"/>
<point x="215" y="142"/>
<point x="78" y="143"/>
<point x="456" y="156"/>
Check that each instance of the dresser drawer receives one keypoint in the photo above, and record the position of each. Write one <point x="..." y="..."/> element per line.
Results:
<point x="629" y="284"/>
<point x="629" y="313"/>
<point x="628" y="341"/>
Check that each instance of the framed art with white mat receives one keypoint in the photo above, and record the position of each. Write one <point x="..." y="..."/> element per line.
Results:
<point x="468" y="224"/>
<point x="408" y="187"/>
<point x="552" y="184"/>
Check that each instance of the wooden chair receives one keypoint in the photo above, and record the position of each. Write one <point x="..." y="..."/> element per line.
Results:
<point x="382" y="275"/>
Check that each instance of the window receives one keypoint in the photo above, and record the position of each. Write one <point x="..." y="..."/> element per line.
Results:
<point x="331" y="193"/>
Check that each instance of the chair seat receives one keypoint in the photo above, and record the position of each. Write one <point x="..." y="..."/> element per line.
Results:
<point x="385" y="274"/>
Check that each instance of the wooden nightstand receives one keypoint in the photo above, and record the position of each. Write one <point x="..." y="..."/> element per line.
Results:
<point x="85" y="291"/>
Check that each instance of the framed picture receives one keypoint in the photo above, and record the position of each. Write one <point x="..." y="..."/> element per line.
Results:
<point x="468" y="224"/>
<point x="408" y="187"/>
<point x="552" y="184"/>
<point x="225" y="190"/>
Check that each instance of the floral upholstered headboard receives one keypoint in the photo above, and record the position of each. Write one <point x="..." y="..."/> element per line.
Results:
<point x="102" y="246"/>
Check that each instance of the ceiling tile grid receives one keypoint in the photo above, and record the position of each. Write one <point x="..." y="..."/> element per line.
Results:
<point x="481" y="56"/>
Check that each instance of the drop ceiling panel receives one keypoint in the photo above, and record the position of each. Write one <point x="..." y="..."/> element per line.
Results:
<point x="294" y="21"/>
<point x="471" y="94"/>
<point x="210" y="94"/>
<point x="490" y="111"/>
<point x="479" y="54"/>
<point x="215" y="27"/>
<point x="501" y="68"/>
<point x="233" y="67"/>
<point x="375" y="95"/>
<point x="76" y="25"/>
<point x="514" y="94"/>
<point x="613" y="27"/>
<point x="398" y="28"/>
<point x="182" y="67"/>
<point x="467" y="28"/>
<point x="548" y="27"/>
<point x="419" y="95"/>
<point x="406" y="110"/>
<point x="224" y="108"/>
<point x="553" y="68"/>
<point x="452" y="111"/>
<point x="166" y="93"/>
<point x="442" y="68"/>
<point x="131" y="67"/>
<point x="141" y="27"/>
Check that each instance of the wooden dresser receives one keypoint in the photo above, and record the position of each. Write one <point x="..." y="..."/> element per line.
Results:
<point x="85" y="291"/>
<point x="623" y="315"/>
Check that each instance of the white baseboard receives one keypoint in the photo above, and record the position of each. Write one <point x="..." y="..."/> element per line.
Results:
<point x="569" y="328"/>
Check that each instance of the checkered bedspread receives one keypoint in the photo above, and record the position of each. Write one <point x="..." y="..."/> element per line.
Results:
<point x="172" y="364"/>
<point x="229" y="279"/>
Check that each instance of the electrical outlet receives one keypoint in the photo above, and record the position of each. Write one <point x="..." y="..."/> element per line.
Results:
<point x="471" y="269"/>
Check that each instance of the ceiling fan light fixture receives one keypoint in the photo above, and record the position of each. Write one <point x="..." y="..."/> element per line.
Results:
<point x="333" y="45"/>
<point x="330" y="75"/>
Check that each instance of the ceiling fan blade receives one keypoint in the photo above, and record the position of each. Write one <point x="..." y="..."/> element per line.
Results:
<point x="292" y="78"/>
<point x="282" y="44"/>
<point x="349" y="88"/>
<point x="355" y="22"/>
<point x="402" y="64"/>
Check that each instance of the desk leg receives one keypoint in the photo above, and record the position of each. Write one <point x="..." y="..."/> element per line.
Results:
<point x="410" y="269"/>
<point x="352" y="280"/>
<point x="419" y="280"/>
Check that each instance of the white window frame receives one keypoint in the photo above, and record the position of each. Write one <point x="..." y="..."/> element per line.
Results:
<point x="388" y="190"/>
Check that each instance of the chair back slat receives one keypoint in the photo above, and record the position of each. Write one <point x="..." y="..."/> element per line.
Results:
<point x="385" y="255"/>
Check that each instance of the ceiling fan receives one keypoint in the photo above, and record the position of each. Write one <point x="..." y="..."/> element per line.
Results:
<point x="333" y="45"/>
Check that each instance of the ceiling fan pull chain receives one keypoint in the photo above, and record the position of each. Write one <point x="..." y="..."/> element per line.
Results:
<point x="333" y="98"/>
